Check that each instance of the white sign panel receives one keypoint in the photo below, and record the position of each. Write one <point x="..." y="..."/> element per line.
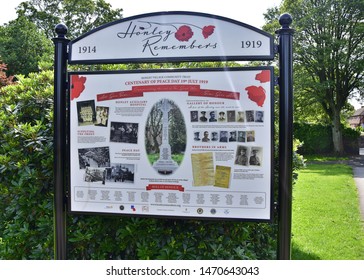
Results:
<point x="188" y="143"/>
<point x="174" y="36"/>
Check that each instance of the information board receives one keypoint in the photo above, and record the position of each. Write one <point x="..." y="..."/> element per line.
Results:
<point x="179" y="143"/>
<point x="172" y="36"/>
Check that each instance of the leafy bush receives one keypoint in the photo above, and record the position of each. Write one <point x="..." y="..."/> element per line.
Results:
<point x="26" y="168"/>
<point x="148" y="238"/>
<point x="317" y="139"/>
<point x="26" y="195"/>
<point x="351" y="140"/>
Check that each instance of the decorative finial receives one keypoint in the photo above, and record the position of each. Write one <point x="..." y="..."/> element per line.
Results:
<point x="285" y="20"/>
<point x="61" y="30"/>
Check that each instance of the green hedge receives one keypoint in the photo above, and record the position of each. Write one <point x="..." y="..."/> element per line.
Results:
<point x="26" y="161"/>
<point x="26" y="195"/>
<point x="317" y="139"/>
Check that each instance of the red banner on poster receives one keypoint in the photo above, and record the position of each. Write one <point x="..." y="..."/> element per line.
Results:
<point x="164" y="187"/>
<point x="193" y="90"/>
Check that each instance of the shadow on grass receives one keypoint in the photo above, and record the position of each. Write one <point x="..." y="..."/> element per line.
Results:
<point x="332" y="170"/>
<point x="298" y="254"/>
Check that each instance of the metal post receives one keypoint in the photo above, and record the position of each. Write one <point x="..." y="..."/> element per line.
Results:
<point x="285" y="137"/>
<point x="59" y="140"/>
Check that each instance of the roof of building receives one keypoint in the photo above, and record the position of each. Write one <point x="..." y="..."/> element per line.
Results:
<point x="359" y="112"/>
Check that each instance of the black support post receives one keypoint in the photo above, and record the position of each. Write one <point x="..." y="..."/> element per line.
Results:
<point x="285" y="137"/>
<point x="59" y="141"/>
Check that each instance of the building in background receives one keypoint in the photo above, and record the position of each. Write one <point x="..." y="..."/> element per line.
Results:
<point x="357" y="119"/>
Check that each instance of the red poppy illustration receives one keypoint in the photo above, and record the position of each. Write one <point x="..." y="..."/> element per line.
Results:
<point x="207" y="31"/>
<point x="77" y="86"/>
<point x="263" y="76"/>
<point x="256" y="94"/>
<point x="184" y="33"/>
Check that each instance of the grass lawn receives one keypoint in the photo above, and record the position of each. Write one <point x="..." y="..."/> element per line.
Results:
<point x="326" y="221"/>
<point x="321" y="158"/>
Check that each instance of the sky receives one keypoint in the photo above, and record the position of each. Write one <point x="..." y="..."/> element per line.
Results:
<point x="248" y="11"/>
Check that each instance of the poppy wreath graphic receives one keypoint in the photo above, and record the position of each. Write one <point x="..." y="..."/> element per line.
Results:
<point x="207" y="31"/>
<point x="77" y="86"/>
<point x="255" y="93"/>
<point x="185" y="33"/>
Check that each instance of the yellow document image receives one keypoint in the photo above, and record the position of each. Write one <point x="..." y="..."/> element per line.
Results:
<point x="203" y="169"/>
<point x="222" y="176"/>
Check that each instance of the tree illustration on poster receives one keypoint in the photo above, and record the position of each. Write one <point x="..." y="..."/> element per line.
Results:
<point x="192" y="143"/>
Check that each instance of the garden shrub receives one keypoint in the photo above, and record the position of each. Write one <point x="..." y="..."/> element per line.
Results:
<point x="26" y="168"/>
<point x="317" y="139"/>
<point x="26" y="195"/>
<point x="351" y="140"/>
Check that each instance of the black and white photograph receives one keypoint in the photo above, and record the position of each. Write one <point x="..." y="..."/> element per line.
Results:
<point x="223" y="136"/>
<point x="212" y="116"/>
<point x="232" y="136"/>
<point x="249" y="116"/>
<point x="240" y="117"/>
<point x="250" y="136"/>
<point x="259" y="116"/>
<point x="231" y="116"/>
<point x="241" y="136"/>
<point x="102" y="115"/>
<point x="86" y="112"/>
<point x="196" y="136"/>
<point x="241" y="157"/>
<point x="214" y="136"/>
<point x="206" y="137"/>
<point x="255" y="157"/>
<point x="120" y="172"/>
<point x="94" y="175"/>
<point x="124" y="132"/>
<point x="194" y="116"/>
<point x="94" y="157"/>
<point x="203" y="117"/>
<point x="222" y="116"/>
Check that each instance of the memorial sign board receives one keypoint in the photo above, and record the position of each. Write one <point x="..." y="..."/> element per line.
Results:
<point x="178" y="143"/>
<point x="172" y="36"/>
<point x="212" y="157"/>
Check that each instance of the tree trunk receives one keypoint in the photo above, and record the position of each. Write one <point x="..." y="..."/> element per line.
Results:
<point x="337" y="135"/>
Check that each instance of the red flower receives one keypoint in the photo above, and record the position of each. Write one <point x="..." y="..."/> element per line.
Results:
<point x="256" y="94"/>
<point x="207" y="31"/>
<point x="263" y="76"/>
<point x="77" y="86"/>
<point x="184" y="33"/>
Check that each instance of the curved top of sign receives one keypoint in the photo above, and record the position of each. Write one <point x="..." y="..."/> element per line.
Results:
<point x="171" y="36"/>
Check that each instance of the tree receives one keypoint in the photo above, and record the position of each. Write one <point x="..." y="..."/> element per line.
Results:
<point x="79" y="16"/>
<point x="23" y="46"/>
<point x="328" y="55"/>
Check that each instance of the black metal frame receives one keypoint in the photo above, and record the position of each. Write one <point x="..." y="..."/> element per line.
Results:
<point x="285" y="125"/>
<point x="59" y="140"/>
<point x="285" y="136"/>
